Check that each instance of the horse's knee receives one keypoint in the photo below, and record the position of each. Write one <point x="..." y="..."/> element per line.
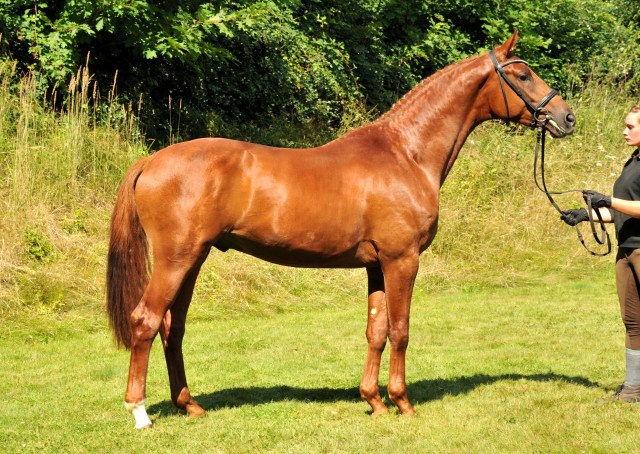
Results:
<point x="399" y="342"/>
<point x="399" y="337"/>
<point x="377" y="334"/>
<point x="377" y="341"/>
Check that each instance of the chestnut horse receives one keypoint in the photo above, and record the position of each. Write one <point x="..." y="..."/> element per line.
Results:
<point x="368" y="199"/>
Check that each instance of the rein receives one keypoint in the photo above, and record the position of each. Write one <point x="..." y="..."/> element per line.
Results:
<point x="537" y="122"/>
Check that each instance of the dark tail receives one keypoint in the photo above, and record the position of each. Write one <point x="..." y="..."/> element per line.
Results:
<point x="128" y="259"/>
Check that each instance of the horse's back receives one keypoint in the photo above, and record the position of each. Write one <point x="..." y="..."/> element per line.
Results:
<point x="314" y="206"/>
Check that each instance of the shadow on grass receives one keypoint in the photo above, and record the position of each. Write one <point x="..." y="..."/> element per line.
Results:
<point x="419" y="392"/>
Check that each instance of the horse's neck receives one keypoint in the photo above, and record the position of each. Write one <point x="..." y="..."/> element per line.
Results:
<point x="435" y="118"/>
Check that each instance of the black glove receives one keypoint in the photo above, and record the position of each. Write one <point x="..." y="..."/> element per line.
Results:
<point x="597" y="200"/>
<point x="574" y="217"/>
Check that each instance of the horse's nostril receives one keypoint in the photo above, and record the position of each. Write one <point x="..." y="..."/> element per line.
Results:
<point x="571" y="119"/>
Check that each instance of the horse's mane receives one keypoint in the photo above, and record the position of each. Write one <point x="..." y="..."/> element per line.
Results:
<point x="437" y="79"/>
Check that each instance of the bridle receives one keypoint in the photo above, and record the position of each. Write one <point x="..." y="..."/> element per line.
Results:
<point x="539" y="122"/>
<point x="535" y="110"/>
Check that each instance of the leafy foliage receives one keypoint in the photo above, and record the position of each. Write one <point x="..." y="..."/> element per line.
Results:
<point x="37" y="246"/>
<point x="196" y="63"/>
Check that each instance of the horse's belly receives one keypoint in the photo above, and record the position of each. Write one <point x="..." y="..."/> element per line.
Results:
<point x="310" y="256"/>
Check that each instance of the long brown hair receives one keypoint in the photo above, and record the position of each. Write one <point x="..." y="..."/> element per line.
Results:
<point x="128" y="258"/>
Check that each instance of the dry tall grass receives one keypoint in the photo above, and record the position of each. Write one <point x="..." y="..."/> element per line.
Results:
<point x="59" y="165"/>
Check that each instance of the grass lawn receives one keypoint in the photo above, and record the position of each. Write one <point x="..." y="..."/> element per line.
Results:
<point x="488" y="370"/>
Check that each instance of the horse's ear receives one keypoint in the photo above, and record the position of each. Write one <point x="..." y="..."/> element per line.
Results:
<point x="507" y="49"/>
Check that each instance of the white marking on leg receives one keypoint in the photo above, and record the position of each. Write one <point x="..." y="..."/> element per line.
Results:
<point x="139" y="413"/>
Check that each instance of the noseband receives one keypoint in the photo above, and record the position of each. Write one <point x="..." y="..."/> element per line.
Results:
<point x="536" y="121"/>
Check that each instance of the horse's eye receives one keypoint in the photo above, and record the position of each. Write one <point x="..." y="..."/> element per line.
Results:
<point x="524" y="77"/>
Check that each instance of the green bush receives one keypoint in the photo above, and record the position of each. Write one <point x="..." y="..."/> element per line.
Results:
<point x="37" y="247"/>
<point x="251" y="62"/>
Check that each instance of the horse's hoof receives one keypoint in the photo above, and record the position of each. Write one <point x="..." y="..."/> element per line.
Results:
<point x="195" y="411"/>
<point x="408" y="413"/>
<point x="146" y="426"/>
<point x="380" y="411"/>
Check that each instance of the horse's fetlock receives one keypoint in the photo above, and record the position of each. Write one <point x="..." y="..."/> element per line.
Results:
<point x="183" y="399"/>
<point x="137" y="409"/>
<point x="368" y="392"/>
<point x="397" y="391"/>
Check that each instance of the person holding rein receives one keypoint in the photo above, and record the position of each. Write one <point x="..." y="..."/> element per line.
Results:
<point x="623" y="209"/>
<point x="630" y="208"/>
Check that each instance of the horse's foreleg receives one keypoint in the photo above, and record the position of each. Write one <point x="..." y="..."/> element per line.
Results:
<point x="376" y="338"/>
<point x="172" y="333"/>
<point x="399" y="277"/>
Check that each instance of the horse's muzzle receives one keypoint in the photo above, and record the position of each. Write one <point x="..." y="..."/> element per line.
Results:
<point x="561" y="125"/>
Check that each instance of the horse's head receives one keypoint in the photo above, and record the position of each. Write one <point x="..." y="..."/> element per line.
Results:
<point x="516" y="93"/>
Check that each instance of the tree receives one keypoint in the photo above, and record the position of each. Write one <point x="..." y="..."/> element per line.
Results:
<point x="244" y="61"/>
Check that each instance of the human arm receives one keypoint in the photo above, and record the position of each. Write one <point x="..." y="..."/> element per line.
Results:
<point x="628" y="207"/>
<point x="606" y="214"/>
<point x="596" y="200"/>
<point x="574" y="217"/>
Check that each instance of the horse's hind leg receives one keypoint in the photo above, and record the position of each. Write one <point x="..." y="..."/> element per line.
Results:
<point x="377" y="338"/>
<point x="172" y="333"/>
<point x="168" y="278"/>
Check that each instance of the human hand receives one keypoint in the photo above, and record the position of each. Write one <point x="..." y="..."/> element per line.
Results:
<point x="597" y="200"/>
<point x="574" y="217"/>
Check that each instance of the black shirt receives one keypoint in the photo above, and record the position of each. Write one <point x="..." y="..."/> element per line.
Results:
<point x="627" y="187"/>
